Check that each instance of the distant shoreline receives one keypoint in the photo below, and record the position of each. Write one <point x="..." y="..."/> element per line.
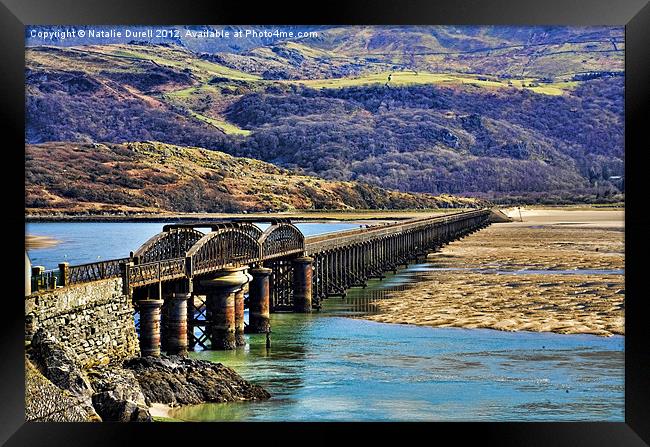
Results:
<point x="302" y="215"/>
<point x="161" y="219"/>
<point x="307" y="216"/>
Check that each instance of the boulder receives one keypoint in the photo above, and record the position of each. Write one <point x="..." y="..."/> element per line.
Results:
<point x="178" y="380"/>
<point x="118" y="396"/>
<point x="59" y="364"/>
<point x="45" y="402"/>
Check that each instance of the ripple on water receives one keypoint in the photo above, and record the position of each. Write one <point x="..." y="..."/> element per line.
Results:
<point x="378" y="371"/>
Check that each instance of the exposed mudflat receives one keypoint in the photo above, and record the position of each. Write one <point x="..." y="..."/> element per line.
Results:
<point x="574" y="284"/>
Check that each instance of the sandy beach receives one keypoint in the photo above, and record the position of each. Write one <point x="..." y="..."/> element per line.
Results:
<point x="159" y="410"/>
<point x="477" y="282"/>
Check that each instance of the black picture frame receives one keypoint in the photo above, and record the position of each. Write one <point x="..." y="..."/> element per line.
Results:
<point x="634" y="14"/>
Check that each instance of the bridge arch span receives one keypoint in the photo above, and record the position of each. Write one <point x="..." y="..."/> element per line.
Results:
<point x="171" y="243"/>
<point x="227" y="245"/>
<point x="281" y="239"/>
<point x="246" y="227"/>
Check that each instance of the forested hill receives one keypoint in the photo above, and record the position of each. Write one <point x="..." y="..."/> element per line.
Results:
<point x="497" y="112"/>
<point x="93" y="178"/>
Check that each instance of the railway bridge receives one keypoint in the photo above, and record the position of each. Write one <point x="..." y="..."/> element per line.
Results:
<point x="188" y="286"/>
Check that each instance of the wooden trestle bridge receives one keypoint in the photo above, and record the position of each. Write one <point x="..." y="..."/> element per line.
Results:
<point x="188" y="286"/>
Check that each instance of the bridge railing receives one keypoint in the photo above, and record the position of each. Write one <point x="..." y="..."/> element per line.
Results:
<point x="67" y="275"/>
<point x="314" y="244"/>
<point x="156" y="271"/>
<point x="94" y="271"/>
<point x="45" y="280"/>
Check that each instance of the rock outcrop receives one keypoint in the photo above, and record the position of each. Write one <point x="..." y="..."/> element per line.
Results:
<point x="59" y="365"/>
<point x="180" y="381"/>
<point x="58" y="388"/>
<point x="118" y="396"/>
<point x="45" y="402"/>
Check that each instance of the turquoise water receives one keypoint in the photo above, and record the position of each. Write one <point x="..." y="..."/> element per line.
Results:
<point x="83" y="242"/>
<point x="329" y="367"/>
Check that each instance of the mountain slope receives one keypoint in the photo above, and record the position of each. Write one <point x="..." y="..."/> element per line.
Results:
<point x="443" y="139"/>
<point x="156" y="177"/>
<point x="496" y="112"/>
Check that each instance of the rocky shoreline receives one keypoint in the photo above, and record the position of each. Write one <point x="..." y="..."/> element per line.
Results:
<point x="59" y="389"/>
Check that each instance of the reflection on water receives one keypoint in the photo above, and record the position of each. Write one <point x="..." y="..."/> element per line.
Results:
<point x="326" y="367"/>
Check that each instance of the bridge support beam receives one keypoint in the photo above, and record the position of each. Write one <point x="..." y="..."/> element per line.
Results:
<point x="302" y="284"/>
<point x="239" y="315"/>
<point x="150" y="327"/>
<point x="220" y="305"/>
<point x="176" y="342"/>
<point x="259" y="301"/>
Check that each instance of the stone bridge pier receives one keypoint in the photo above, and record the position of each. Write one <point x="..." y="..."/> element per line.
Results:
<point x="150" y="327"/>
<point x="225" y="307"/>
<point x="259" y="300"/>
<point x="175" y="323"/>
<point x="302" y="284"/>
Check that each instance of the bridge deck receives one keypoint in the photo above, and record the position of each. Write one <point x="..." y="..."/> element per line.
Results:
<point x="329" y="241"/>
<point x="239" y="242"/>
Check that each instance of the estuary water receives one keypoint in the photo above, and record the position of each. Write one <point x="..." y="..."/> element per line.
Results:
<point x="333" y="366"/>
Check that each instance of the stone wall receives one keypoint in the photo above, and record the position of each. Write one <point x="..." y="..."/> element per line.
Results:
<point x="94" y="319"/>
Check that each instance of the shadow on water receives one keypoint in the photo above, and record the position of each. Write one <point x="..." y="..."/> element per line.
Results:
<point x="328" y="367"/>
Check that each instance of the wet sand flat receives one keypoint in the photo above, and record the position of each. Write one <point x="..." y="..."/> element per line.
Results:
<point x="575" y="258"/>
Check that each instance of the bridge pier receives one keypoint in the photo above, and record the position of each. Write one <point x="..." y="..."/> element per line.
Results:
<point x="220" y="304"/>
<point x="259" y="301"/>
<point x="176" y="334"/>
<point x="302" y="284"/>
<point x="191" y="315"/>
<point x="239" y="314"/>
<point x="150" y="327"/>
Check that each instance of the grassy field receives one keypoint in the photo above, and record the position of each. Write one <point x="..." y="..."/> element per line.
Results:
<point x="223" y="125"/>
<point x="403" y="78"/>
<point x="192" y="99"/>
<point x="176" y="58"/>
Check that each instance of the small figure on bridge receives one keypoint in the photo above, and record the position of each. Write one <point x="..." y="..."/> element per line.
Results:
<point x="268" y="338"/>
